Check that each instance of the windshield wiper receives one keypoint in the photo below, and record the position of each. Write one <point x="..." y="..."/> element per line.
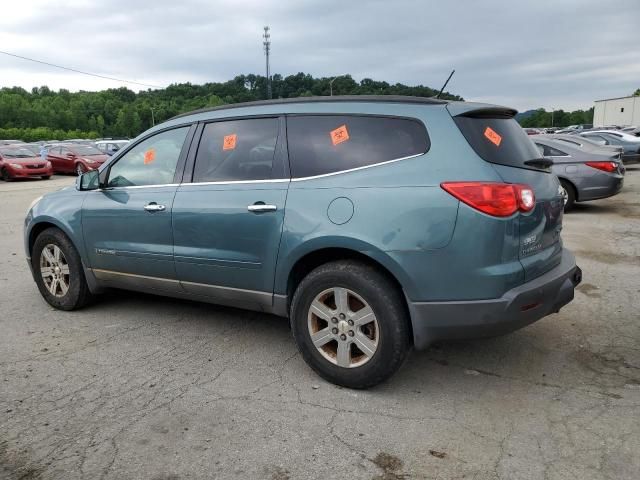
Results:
<point x="539" y="162"/>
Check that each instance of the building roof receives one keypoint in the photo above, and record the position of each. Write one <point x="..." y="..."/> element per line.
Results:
<point x="617" y="98"/>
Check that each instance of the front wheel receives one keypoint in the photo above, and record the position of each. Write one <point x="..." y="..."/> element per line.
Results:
<point x="350" y="324"/>
<point x="5" y="175"/>
<point x="46" y="177"/>
<point x="58" y="272"/>
<point x="80" y="169"/>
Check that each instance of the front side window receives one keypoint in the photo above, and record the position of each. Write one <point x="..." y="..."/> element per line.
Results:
<point x="321" y="144"/>
<point x="151" y="162"/>
<point x="237" y="150"/>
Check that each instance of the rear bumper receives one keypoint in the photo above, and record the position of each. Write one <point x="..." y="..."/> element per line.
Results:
<point x="601" y="186"/>
<point x="520" y="306"/>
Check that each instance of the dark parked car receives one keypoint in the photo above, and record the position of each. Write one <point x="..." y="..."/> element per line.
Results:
<point x="17" y="161"/>
<point x="75" y="158"/>
<point x="374" y="223"/>
<point x="586" y="172"/>
<point x="630" y="144"/>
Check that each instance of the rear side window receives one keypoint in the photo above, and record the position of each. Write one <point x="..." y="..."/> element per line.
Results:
<point x="321" y="144"/>
<point x="237" y="150"/>
<point x="548" y="151"/>
<point x="498" y="140"/>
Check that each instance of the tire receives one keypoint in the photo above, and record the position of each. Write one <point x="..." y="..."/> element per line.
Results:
<point x="5" y="175"/>
<point x="570" y="198"/>
<point x="46" y="177"/>
<point x="77" y="292"/>
<point x="80" y="169"/>
<point x="389" y="332"/>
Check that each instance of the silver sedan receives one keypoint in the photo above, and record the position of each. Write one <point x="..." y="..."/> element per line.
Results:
<point x="586" y="171"/>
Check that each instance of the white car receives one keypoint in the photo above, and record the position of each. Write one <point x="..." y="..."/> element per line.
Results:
<point x="111" y="146"/>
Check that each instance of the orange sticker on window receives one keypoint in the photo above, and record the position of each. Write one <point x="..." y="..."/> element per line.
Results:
<point x="229" y="142"/>
<point x="149" y="156"/>
<point x="339" y="135"/>
<point x="493" y="136"/>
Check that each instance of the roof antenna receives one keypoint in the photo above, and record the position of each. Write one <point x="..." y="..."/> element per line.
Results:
<point x="445" y="83"/>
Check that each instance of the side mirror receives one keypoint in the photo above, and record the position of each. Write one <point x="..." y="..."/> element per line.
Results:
<point x="89" y="180"/>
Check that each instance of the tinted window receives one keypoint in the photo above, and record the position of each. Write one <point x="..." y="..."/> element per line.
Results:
<point x="237" y="150"/>
<point x="320" y="144"/>
<point x="552" y="152"/>
<point x="85" y="150"/>
<point x="151" y="162"/>
<point x="498" y="140"/>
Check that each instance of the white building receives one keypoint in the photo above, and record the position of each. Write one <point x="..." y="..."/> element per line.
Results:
<point x="623" y="111"/>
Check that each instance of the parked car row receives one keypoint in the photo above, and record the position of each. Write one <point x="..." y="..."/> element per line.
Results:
<point x="41" y="160"/>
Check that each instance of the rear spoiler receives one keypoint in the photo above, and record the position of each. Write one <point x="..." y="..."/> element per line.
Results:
<point x="480" y="110"/>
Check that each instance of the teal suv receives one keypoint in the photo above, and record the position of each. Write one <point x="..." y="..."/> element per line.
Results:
<point x="375" y="224"/>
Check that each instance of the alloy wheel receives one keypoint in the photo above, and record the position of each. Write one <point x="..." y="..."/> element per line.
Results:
<point x="54" y="270"/>
<point x="343" y="327"/>
<point x="79" y="169"/>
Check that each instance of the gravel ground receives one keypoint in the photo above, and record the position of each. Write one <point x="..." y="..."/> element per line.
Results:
<point x="137" y="386"/>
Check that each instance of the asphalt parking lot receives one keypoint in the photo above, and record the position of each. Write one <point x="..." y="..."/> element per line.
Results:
<point x="144" y="387"/>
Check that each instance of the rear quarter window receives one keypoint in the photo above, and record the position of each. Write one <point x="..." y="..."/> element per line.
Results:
<point x="498" y="140"/>
<point x="322" y="144"/>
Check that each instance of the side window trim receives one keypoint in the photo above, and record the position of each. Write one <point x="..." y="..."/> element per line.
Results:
<point x="280" y="169"/>
<point x="104" y="174"/>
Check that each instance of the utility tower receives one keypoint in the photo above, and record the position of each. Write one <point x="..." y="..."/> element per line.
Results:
<point x="267" y="50"/>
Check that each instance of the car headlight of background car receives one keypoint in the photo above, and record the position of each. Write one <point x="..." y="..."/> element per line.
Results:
<point x="16" y="166"/>
<point x="48" y="165"/>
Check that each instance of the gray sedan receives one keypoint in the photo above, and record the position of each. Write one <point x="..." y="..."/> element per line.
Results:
<point x="629" y="143"/>
<point x="586" y="171"/>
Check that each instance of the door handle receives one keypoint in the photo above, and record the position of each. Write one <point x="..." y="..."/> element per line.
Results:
<point x="154" y="207"/>
<point x="261" y="207"/>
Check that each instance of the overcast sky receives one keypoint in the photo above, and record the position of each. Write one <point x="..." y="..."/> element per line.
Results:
<point x="525" y="54"/>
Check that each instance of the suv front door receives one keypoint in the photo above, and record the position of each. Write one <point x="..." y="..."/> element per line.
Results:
<point x="127" y="224"/>
<point x="228" y="221"/>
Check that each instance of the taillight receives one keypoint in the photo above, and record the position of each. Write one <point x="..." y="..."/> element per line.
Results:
<point x="604" y="166"/>
<point x="496" y="199"/>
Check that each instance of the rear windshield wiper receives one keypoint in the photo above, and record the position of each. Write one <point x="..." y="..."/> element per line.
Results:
<point x="539" y="162"/>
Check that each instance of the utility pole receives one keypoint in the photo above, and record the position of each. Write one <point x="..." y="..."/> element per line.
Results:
<point x="267" y="50"/>
<point x="331" y="85"/>
<point x="153" y="119"/>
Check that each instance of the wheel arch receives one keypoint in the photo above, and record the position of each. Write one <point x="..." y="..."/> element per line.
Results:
<point x="572" y="184"/>
<point x="310" y="256"/>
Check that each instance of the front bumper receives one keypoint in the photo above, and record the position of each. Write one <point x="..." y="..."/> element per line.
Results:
<point x="517" y="308"/>
<point x="31" y="172"/>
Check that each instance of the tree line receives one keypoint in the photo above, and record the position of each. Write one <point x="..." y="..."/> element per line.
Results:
<point x="557" y="118"/>
<point x="44" y="114"/>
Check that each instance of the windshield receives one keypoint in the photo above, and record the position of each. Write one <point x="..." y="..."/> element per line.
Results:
<point x="86" y="150"/>
<point x="16" y="152"/>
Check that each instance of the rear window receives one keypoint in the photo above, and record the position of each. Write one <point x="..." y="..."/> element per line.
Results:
<point x="321" y="144"/>
<point x="498" y="140"/>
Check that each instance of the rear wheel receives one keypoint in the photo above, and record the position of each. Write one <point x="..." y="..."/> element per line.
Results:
<point x="58" y="271"/>
<point x="350" y="324"/>
<point x="568" y="194"/>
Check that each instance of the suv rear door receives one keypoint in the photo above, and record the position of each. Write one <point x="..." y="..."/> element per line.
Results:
<point x="228" y="213"/>
<point x="498" y="139"/>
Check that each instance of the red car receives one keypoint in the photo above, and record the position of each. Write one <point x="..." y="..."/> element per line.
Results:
<point x="20" y="162"/>
<point x="75" y="158"/>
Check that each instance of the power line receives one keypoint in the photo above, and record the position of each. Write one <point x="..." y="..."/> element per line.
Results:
<point x="78" y="71"/>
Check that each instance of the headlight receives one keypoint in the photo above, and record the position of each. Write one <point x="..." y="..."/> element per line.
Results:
<point x="48" y="164"/>
<point x="17" y="166"/>
<point x="89" y="161"/>
<point x="33" y="204"/>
